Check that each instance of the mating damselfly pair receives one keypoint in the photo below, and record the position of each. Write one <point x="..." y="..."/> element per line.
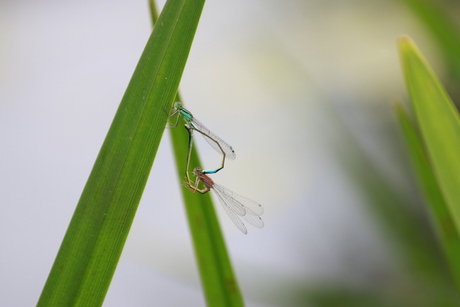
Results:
<point x="236" y="206"/>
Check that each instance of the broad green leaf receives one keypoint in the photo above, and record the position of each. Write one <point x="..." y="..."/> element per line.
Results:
<point x="93" y="243"/>
<point x="438" y="122"/>
<point x="441" y="217"/>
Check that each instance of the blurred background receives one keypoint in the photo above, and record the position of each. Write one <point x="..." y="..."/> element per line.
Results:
<point x="302" y="90"/>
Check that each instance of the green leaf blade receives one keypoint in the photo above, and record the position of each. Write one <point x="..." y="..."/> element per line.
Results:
<point x="445" y="227"/>
<point x="438" y="121"/>
<point x="99" y="227"/>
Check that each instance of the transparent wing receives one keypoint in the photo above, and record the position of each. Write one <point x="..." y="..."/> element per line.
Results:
<point x="235" y="218"/>
<point x="238" y="207"/>
<point x="254" y="220"/>
<point x="229" y="152"/>
<point x="240" y="203"/>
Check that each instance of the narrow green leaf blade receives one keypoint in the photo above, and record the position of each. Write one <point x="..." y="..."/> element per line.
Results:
<point x="93" y="243"/>
<point x="447" y="234"/>
<point x="438" y="121"/>
<point x="219" y="282"/>
<point x="216" y="272"/>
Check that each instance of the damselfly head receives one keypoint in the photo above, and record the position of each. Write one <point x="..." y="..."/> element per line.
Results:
<point x="177" y="105"/>
<point x="197" y="171"/>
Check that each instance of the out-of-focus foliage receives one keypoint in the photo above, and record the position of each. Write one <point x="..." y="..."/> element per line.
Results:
<point x="431" y="251"/>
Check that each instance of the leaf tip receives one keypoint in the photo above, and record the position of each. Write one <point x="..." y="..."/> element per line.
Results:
<point x="405" y="42"/>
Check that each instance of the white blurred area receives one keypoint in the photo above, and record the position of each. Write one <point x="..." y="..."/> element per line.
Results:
<point x="287" y="83"/>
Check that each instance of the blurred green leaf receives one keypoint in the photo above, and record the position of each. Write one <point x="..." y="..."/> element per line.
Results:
<point x="391" y="293"/>
<point x="93" y="243"/>
<point x="404" y="225"/>
<point x="438" y="19"/>
<point x="438" y="121"/>
<point x="444" y="225"/>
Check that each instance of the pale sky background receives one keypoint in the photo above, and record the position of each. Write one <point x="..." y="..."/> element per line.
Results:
<point x="278" y="80"/>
